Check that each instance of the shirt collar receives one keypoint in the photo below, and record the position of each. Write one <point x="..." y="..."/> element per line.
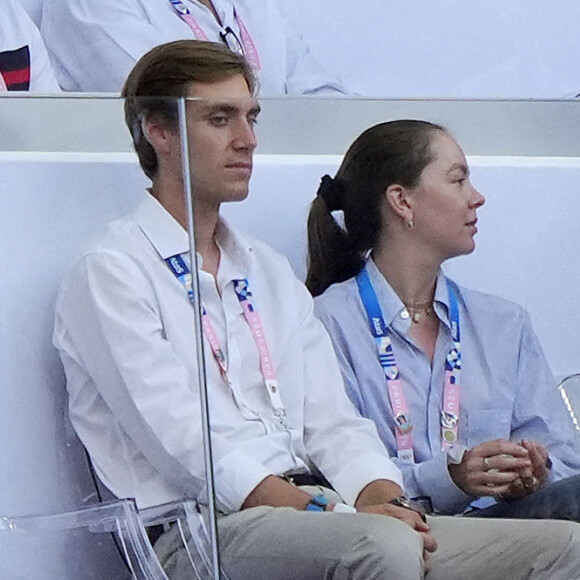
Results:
<point x="235" y="252"/>
<point x="391" y="304"/>
<point x="161" y="228"/>
<point x="169" y="239"/>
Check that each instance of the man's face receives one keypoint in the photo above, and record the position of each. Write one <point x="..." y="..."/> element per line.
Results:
<point x="221" y="139"/>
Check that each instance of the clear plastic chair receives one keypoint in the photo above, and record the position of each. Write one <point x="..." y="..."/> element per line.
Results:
<point x="78" y="545"/>
<point x="192" y="522"/>
<point x="569" y="388"/>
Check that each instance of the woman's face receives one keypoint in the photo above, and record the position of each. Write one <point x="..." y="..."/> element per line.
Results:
<point x="445" y="203"/>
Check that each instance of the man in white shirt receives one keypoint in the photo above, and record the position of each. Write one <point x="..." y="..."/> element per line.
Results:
<point x="94" y="45"/>
<point x="24" y="62"/>
<point x="279" y="413"/>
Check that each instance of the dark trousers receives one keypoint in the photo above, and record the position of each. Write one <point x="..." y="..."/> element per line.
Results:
<point x="556" y="501"/>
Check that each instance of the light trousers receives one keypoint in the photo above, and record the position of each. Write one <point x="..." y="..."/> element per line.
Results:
<point x="287" y="544"/>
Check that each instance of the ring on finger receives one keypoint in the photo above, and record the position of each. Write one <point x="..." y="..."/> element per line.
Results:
<point x="486" y="464"/>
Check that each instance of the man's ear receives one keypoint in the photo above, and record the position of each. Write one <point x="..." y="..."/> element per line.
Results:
<point x="400" y="202"/>
<point x="158" y="132"/>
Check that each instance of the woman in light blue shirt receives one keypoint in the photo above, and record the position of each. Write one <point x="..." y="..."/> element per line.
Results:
<point x="454" y="379"/>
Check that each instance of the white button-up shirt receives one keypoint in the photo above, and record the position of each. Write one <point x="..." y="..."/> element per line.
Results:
<point x="125" y="331"/>
<point x="94" y="44"/>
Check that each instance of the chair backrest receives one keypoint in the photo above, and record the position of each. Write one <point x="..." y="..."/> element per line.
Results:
<point x="569" y="388"/>
<point x="114" y="527"/>
<point x="192" y="522"/>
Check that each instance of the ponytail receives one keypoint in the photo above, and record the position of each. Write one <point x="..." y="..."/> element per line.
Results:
<point x="332" y="256"/>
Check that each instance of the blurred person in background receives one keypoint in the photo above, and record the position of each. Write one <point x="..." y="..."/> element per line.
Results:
<point x="94" y="45"/>
<point x="24" y="62"/>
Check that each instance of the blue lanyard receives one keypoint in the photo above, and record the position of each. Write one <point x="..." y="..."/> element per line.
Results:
<point x="386" y="355"/>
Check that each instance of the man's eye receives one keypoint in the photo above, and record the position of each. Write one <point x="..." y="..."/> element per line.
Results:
<point x="253" y="119"/>
<point x="219" y="120"/>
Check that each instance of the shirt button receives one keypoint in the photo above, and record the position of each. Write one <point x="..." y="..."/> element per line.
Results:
<point x="404" y="314"/>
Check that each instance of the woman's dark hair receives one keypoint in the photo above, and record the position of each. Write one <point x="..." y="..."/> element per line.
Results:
<point x="390" y="153"/>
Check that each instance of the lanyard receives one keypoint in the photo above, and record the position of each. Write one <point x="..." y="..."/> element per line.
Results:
<point x="241" y="287"/>
<point x="246" y="47"/>
<point x="450" y="409"/>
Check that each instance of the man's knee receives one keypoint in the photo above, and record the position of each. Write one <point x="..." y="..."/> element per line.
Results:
<point x="382" y="548"/>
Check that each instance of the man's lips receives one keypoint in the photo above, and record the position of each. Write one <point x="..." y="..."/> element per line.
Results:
<point x="239" y="165"/>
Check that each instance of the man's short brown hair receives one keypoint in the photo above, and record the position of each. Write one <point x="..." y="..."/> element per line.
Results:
<point x="167" y="71"/>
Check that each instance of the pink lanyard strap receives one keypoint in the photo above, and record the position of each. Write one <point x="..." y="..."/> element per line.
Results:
<point x="247" y="45"/>
<point x="254" y="321"/>
<point x="401" y="414"/>
<point x="241" y="287"/>
<point x="451" y="393"/>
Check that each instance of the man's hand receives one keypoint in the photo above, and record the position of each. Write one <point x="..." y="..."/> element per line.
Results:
<point x="492" y="468"/>
<point x="374" y="498"/>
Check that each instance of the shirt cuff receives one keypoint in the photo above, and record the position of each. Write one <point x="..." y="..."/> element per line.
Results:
<point x="436" y="482"/>
<point x="358" y="473"/>
<point x="236" y="475"/>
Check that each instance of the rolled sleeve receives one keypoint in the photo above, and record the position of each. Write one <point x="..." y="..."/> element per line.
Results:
<point x="237" y="475"/>
<point x="359" y="472"/>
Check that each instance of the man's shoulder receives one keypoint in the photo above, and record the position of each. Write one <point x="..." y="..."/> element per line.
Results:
<point x="122" y="236"/>
<point x="120" y="246"/>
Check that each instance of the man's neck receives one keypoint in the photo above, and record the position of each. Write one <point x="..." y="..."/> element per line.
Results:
<point x="205" y="222"/>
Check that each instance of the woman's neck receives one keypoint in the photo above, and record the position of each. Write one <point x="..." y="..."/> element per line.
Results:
<point x="411" y="275"/>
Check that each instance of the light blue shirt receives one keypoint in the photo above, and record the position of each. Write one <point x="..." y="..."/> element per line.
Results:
<point x="507" y="389"/>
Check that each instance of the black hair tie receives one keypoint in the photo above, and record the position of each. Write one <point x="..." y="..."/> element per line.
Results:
<point x="328" y="190"/>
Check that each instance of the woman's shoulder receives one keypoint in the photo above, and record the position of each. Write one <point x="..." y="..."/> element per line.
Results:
<point x="479" y="303"/>
<point x="337" y="299"/>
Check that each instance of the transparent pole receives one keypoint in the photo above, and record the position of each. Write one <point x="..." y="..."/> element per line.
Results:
<point x="202" y="376"/>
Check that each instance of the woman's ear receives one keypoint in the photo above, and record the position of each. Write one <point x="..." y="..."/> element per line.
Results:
<point x="399" y="202"/>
